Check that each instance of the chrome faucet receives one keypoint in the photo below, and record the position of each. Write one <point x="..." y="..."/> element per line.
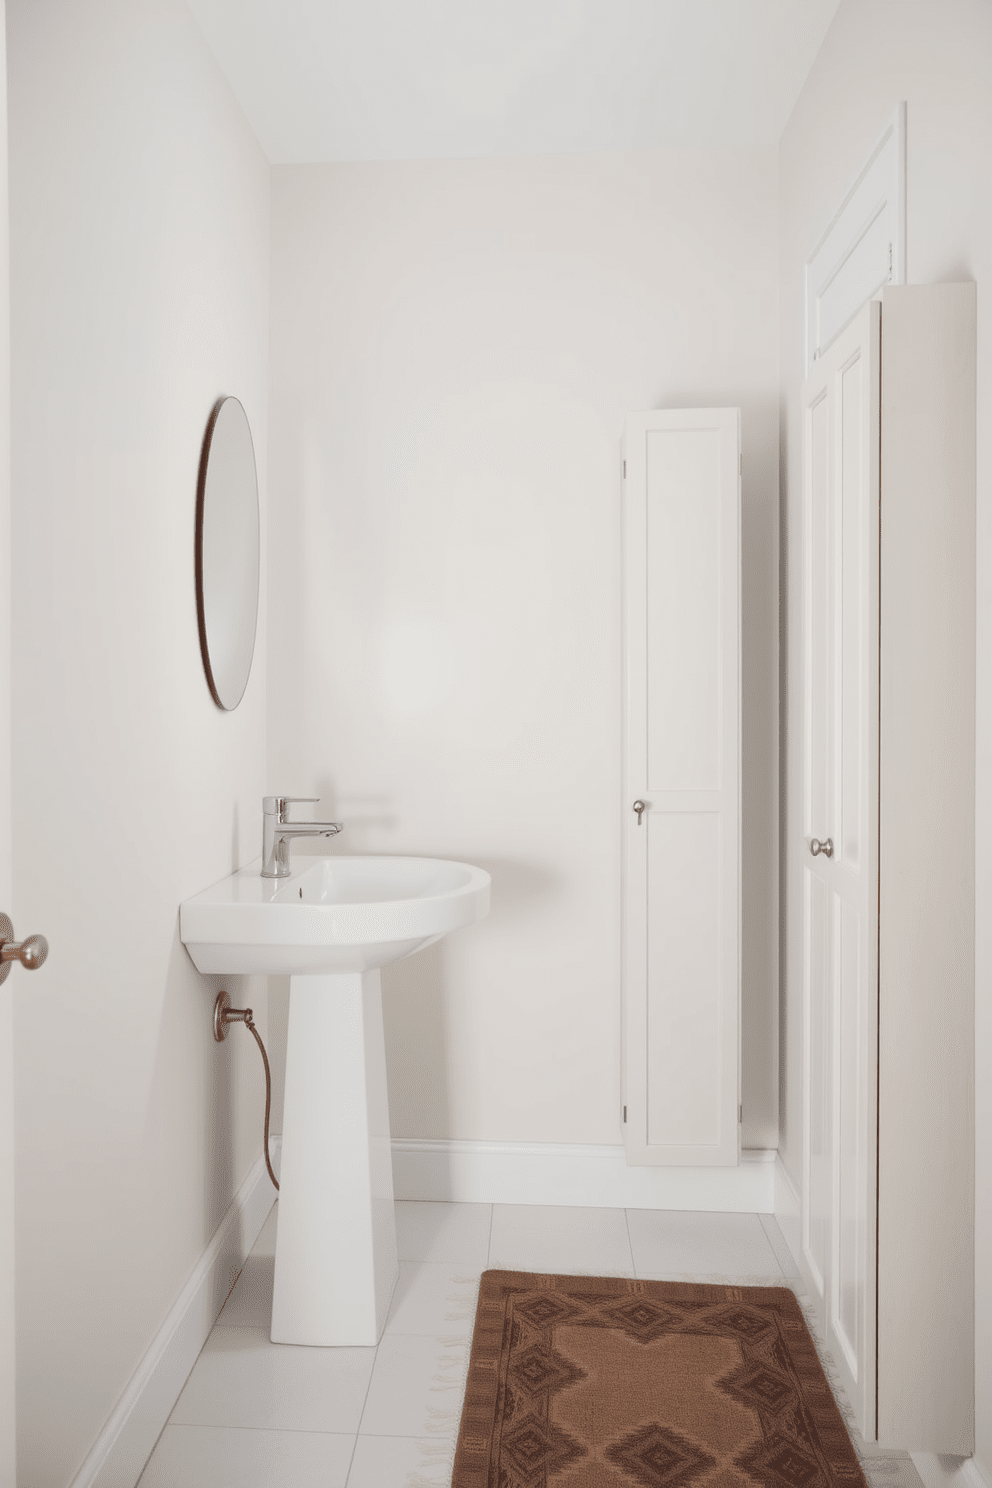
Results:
<point x="277" y="830"/>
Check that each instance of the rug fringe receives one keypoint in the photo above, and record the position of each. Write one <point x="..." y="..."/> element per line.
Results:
<point x="437" y="1453"/>
<point x="462" y="1306"/>
<point x="442" y="1422"/>
<point x="883" y="1469"/>
<point x="452" y="1369"/>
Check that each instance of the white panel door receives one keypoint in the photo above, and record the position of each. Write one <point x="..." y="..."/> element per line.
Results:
<point x="682" y="768"/>
<point x="840" y="852"/>
<point x="10" y="987"/>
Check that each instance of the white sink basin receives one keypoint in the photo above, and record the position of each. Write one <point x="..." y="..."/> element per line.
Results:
<point x="332" y="915"/>
<point x="330" y="925"/>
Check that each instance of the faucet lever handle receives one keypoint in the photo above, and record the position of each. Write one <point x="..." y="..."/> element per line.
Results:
<point x="276" y="805"/>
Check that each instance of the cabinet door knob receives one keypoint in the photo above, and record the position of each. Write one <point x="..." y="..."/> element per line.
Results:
<point x="30" y="952"/>
<point x="826" y="847"/>
<point x="640" y="807"/>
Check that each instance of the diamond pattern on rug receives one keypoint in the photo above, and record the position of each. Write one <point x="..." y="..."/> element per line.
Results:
<point x="536" y="1449"/>
<point x="543" y="1368"/>
<point x="658" y="1457"/>
<point x="598" y="1382"/>
<point x="747" y="1322"/>
<point x="759" y="1387"/>
<point x="781" y="1463"/>
<point x="641" y="1319"/>
<point x="546" y="1310"/>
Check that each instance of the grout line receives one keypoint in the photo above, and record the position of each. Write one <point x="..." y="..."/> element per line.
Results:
<point x="365" y="1401"/>
<point x="771" y="1244"/>
<point x="258" y="1430"/>
<point x="779" y="1245"/>
<point x="403" y="1436"/>
<point x="354" y="1447"/>
<point x="221" y="1426"/>
<point x="630" y="1245"/>
<point x="435" y="1333"/>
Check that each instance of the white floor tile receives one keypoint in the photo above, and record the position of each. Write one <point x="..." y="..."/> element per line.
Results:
<point x="443" y="1232"/>
<point x="259" y="1415"/>
<point x="241" y="1379"/>
<point x="250" y="1303"/>
<point x="395" y="1461"/>
<point x="431" y="1298"/>
<point x="779" y="1244"/>
<point x="417" y="1387"/>
<point x="556" y="1238"/>
<point x="219" y="1457"/>
<point x="688" y="1246"/>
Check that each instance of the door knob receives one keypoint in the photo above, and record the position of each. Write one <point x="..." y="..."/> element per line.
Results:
<point x="30" y="952"/>
<point x="826" y="848"/>
<point x="640" y="807"/>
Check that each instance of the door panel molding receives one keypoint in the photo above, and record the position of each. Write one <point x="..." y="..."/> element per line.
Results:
<point x="682" y="732"/>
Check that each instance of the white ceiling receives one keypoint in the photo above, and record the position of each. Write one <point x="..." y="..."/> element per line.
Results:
<point x="424" y="79"/>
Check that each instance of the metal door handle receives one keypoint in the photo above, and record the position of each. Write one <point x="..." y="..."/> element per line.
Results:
<point x="826" y="847"/>
<point x="30" y="952"/>
<point x="640" y="807"/>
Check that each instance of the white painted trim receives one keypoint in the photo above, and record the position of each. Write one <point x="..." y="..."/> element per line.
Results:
<point x="118" y="1456"/>
<point x="575" y="1174"/>
<point x="948" y="1472"/>
<point x="864" y="245"/>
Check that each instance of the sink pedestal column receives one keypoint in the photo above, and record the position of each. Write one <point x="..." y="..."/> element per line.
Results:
<point x="336" y="1260"/>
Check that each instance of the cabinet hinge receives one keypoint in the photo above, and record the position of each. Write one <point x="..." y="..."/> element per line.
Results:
<point x="625" y="469"/>
<point x="890" y="260"/>
<point x="625" y="1114"/>
<point x="740" y="1115"/>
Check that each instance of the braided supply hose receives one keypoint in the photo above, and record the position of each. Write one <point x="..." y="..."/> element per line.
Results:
<point x="224" y="1014"/>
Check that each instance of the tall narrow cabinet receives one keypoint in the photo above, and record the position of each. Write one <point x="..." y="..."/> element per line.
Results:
<point x="681" y="808"/>
<point x="888" y="861"/>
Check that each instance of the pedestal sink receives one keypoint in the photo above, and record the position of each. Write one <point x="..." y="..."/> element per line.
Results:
<point x="331" y="925"/>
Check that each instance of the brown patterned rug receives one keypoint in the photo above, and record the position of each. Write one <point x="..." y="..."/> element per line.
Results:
<point x="584" y="1382"/>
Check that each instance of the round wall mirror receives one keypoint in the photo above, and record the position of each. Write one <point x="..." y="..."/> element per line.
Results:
<point x="227" y="552"/>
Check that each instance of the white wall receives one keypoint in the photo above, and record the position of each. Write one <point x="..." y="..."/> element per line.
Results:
<point x="938" y="58"/>
<point x="139" y="222"/>
<point x="454" y="347"/>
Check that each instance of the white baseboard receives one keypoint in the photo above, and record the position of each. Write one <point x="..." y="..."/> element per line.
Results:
<point x="588" y="1176"/>
<point x="119" y="1454"/>
<point x="948" y="1472"/>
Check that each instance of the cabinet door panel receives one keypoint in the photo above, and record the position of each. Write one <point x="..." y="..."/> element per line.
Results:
<point x="682" y="762"/>
<point x="685" y="654"/>
<point x="855" y="644"/>
<point x="685" y="1040"/>
<point x="818" y="1185"/>
<point x="848" y="1291"/>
